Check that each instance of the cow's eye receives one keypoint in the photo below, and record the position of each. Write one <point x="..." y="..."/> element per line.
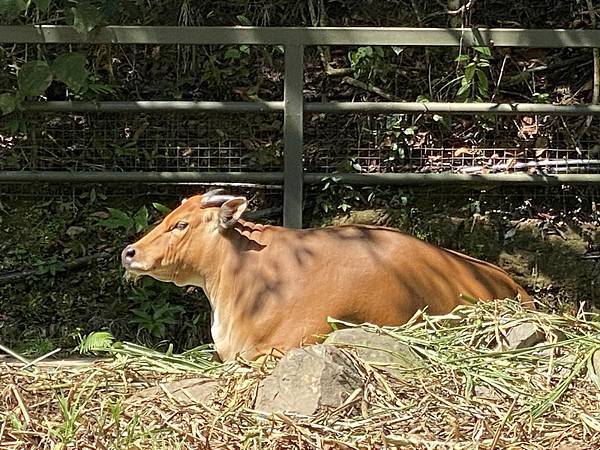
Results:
<point x="181" y="225"/>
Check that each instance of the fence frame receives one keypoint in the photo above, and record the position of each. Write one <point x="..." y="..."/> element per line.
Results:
<point x="294" y="40"/>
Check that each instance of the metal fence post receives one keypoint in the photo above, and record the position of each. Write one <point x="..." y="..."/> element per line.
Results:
<point x="292" y="135"/>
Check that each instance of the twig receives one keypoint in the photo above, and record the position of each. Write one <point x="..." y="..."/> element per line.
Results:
<point x="502" y="424"/>
<point x="367" y="87"/>
<point x="13" y="354"/>
<point x="499" y="77"/>
<point x="337" y="72"/>
<point x="15" y="276"/>
<point x="41" y="358"/>
<point x="522" y="76"/>
<point x="21" y="404"/>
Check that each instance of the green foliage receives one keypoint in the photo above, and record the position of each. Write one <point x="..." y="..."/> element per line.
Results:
<point x="226" y="64"/>
<point x="98" y="340"/>
<point x="154" y="312"/>
<point x="140" y="219"/>
<point x="369" y="62"/>
<point x="541" y="97"/>
<point x="12" y="8"/>
<point x="335" y="195"/>
<point x="70" y="69"/>
<point x="474" y="84"/>
<point x="34" y="78"/>
<point x="37" y="346"/>
<point x="8" y="103"/>
<point x="120" y="219"/>
<point x="161" y="208"/>
<point x="85" y="17"/>
<point x="156" y="317"/>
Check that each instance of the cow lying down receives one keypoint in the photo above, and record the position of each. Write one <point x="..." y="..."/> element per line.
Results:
<point x="272" y="288"/>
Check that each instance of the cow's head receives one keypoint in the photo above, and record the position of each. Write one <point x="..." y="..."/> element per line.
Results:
<point x="185" y="240"/>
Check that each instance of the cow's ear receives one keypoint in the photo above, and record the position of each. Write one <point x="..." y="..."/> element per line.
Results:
<point x="231" y="211"/>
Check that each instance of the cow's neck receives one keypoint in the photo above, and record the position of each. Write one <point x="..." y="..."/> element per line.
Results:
<point x="220" y="285"/>
<point x="228" y="252"/>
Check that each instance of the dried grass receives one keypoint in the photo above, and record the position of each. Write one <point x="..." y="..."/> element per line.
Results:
<point x="470" y="393"/>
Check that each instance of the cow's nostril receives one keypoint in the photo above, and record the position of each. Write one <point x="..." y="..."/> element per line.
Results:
<point x="130" y="252"/>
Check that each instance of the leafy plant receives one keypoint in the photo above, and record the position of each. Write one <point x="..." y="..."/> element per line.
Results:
<point x="70" y="69"/>
<point x="155" y="317"/>
<point x="98" y="340"/>
<point x="474" y="84"/>
<point x="335" y="195"/>
<point x="35" y="77"/>
<point x="154" y="312"/>
<point x="121" y="219"/>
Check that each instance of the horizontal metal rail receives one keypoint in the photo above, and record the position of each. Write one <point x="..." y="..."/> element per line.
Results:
<point x="412" y="179"/>
<point x="547" y="38"/>
<point x="139" y="177"/>
<point x="153" y="106"/>
<point x="360" y="179"/>
<point x="451" y="108"/>
<point x="329" y="107"/>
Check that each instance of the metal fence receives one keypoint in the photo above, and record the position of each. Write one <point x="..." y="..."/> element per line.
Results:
<point x="197" y="162"/>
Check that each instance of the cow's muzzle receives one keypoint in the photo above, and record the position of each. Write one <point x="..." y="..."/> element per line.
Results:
<point x="127" y="256"/>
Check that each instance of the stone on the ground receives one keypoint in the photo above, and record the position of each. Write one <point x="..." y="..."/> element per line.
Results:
<point x="307" y="380"/>
<point x="523" y="335"/>
<point x="376" y="349"/>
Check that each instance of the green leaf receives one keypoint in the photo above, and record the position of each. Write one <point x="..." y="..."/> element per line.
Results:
<point x="117" y="219"/>
<point x="483" y="51"/>
<point x="140" y="219"/>
<point x="469" y="72"/>
<point x="161" y="208"/>
<point x="34" y="78"/>
<point x="99" y="340"/>
<point x="464" y="90"/>
<point x="8" y="103"/>
<point x="243" y="20"/>
<point x="232" y="53"/>
<point x="70" y="69"/>
<point x="365" y="51"/>
<point x="482" y="82"/>
<point x="12" y="8"/>
<point x="462" y="58"/>
<point x="85" y="17"/>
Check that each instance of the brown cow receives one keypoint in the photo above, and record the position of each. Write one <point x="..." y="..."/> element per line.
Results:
<point x="273" y="288"/>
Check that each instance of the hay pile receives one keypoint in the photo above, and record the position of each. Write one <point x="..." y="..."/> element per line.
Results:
<point x="471" y="392"/>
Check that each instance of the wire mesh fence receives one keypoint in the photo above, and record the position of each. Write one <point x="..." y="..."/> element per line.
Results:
<point x="248" y="142"/>
<point x="144" y="142"/>
<point x="462" y="144"/>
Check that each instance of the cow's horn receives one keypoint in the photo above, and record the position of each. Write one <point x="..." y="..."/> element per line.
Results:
<point x="213" y="192"/>
<point x="215" y="200"/>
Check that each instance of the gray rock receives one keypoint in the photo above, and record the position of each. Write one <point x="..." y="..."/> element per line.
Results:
<point x="523" y="335"/>
<point x="307" y="380"/>
<point x="376" y="349"/>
